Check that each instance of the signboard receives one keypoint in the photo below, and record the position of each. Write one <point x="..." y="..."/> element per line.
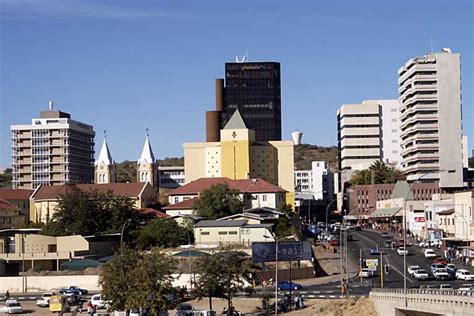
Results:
<point x="287" y="251"/>
<point x="372" y="264"/>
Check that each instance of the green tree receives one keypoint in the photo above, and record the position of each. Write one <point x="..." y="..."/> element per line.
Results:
<point x="163" y="232"/>
<point x="222" y="274"/>
<point x="138" y="280"/>
<point x="92" y="212"/>
<point x="6" y="178"/>
<point x="283" y="225"/>
<point x="218" y="201"/>
<point x="380" y="172"/>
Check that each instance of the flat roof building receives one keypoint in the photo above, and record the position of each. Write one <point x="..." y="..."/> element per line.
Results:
<point x="52" y="150"/>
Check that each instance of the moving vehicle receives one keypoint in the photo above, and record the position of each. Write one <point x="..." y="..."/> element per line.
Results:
<point x="73" y="290"/>
<point x="388" y="243"/>
<point x="334" y="242"/>
<point x="286" y="286"/>
<point x="98" y="301"/>
<point x="44" y="300"/>
<point x="466" y="288"/>
<point x="350" y="238"/>
<point x="440" y="261"/>
<point x="11" y="307"/>
<point x="58" y="303"/>
<point x="385" y="235"/>
<point x="441" y="274"/>
<point x="430" y="254"/>
<point x="446" y="287"/>
<point x="463" y="274"/>
<point x="436" y="266"/>
<point x="402" y="251"/>
<point x="412" y="269"/>
<point x="421" y="274"/>
<point x="376" y="251"/>
<point x="365" y="273"/>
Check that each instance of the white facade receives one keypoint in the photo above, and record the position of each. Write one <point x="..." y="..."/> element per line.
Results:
<point x="430" y="113"/>
<point x="318" y="182"/>
<point x="368" y="132"/>
<point x="171" y="177"/>
<point x="432" y="208"/>
<point x="463" y="215"/>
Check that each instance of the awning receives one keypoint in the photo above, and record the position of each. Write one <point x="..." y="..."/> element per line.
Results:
<point x="446" y="212"/>
<point x="385" y="212"/>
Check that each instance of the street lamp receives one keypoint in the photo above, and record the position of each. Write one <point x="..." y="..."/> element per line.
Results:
<point x="276" y="269"/>
<point x="405" y="232"/>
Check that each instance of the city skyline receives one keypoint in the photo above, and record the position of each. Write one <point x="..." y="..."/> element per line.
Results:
<point x="153" y="66"/>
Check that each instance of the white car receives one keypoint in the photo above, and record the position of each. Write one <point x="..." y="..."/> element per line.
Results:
<point x="466" y="288"/>
<point x="11" y="307"/>
<point x="412" y="269"/>
<point x="430" y="254"/>
<point x="365" y="273"/>
<point x="44" y="300"/>
<point x="98" y="301"/>
<point x="463" y="274"/>
<point x="402" y="251"/>
<point x="421" y="274"/>
<point x="446" y="287"/>
<point x="441" y="274"/>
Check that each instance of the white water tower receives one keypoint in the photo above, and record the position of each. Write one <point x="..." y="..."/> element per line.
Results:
<point x="296" y="136"/>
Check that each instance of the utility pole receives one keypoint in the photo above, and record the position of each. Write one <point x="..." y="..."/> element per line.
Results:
<point x="381" y="270"/>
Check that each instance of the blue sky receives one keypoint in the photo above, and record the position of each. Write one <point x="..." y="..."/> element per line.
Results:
<point x="125" y="66"/>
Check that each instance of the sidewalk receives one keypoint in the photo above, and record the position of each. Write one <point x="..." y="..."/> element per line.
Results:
<point x="330" y="262"/>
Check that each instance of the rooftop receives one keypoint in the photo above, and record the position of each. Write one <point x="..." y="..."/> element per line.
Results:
<point x="15" y="194"/>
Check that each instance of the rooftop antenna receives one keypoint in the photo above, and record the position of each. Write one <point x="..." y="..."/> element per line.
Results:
<point x="50" y="105"/>
<point x="105" y="134"/>
<point x="431" y="41"/>
<point x="146" y="132"/>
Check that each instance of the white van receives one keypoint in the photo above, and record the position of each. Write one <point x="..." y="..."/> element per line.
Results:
<point x="97" y="300"/>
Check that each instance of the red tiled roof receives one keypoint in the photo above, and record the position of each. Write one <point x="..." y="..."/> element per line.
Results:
<point x="15" y="194"/>
<point x="51" y="192"/>
<point x="152" y="211"/>
<point x="5" y="206"/>
<point x="244" y="186"/>
<point x="184" y="205"/>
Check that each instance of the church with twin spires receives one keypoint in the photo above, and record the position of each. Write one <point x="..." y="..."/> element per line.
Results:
<point x="106" y="169"/>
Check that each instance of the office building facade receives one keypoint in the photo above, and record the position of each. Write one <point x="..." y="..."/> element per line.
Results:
<point x="317" y="182"/>
<point x="254" y="89"/>
<point x="53" y="150"/>
<point x="430" y="114"/>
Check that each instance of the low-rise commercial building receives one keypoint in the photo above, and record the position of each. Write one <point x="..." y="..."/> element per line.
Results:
<point x="45" y="199"/>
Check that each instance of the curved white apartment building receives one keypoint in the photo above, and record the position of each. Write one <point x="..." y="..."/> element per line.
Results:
<point x="429" y="90"/>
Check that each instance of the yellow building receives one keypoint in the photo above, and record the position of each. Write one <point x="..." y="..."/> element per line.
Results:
<point x="239" y="156"/>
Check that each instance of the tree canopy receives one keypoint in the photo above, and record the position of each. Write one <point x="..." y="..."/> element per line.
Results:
<point x="163" y="232"/>
<point x="380" y="172"/>
<point x="92" y="212"/>
<point x="138" y="280"/>
<point x="6" y="178"/>
<point x="218" y="201"/>
<point x="222" y="274"/>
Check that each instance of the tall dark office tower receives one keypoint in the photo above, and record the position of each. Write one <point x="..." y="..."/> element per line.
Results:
<point x="254" y="88"/>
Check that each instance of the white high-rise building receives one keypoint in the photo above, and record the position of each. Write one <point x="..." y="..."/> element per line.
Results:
<point x="368" y="132"/>
<point x="430" y="114"/>
<point x="53" y="150"/>
<point x="317" y="182"/>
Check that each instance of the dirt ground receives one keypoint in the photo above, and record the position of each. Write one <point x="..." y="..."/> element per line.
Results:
<point x="335" y="307"/>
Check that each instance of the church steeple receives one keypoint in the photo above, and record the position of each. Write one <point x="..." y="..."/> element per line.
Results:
<point x="105" y="168"/>
<point x="146" y="169"/>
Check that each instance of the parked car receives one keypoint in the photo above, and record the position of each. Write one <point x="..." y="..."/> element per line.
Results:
<point x="430" y="254"/>
<point x="98" y="301"/>
<point x="441" y="274"/>
<point x="463" y="274"/>
<point x="466" y="288"/>
<point x="334" y="242"/>
<point x="11" y="307"/>
<point x="436" y="266"/>
<point x="73" y="290"/>
<point x="421" y="274"/>
<point x="440" y="261"/>
<point x="385" y="235"/>
<point x="412" y="269"/>
<point x="402" y="251"/>
<point x="184" y="309"/>
<point x="446" y="287"/>
<point x="365" y="273"/>
<point x="286" y="286"/>
<point x="451" y="270"/>
<point x="44" y="300"/>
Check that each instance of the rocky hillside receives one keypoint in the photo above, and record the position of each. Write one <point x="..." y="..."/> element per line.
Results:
<point x="127" y="170"/>
<point x="305" y="153"/>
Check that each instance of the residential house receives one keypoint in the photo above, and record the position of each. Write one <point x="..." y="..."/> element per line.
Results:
<point x="18" y="197"/>
<point x="11" y="216"/>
